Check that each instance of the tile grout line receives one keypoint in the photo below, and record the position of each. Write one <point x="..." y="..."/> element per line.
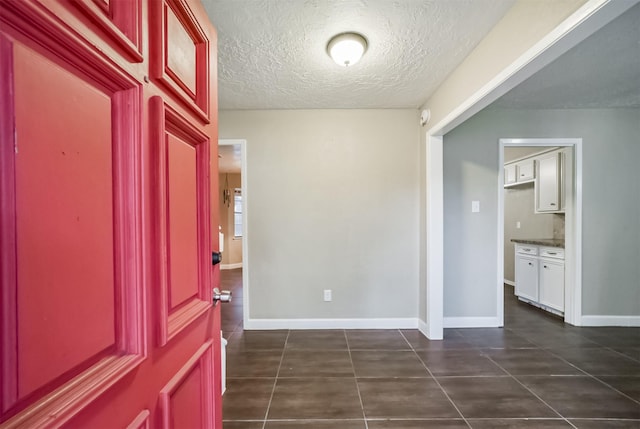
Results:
<point x="588" y="374"/>
<point x="613" y="350"/>
<point x="620" y="353"/>
<point x="532" y="392"/>
<point x="435" y="379"/>
<point x="595" y="377"/>
<point x="275" y="381"/>
<point x="355" y="379"/>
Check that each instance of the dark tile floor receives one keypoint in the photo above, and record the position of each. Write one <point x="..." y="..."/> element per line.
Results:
<point x="537" y="372"/>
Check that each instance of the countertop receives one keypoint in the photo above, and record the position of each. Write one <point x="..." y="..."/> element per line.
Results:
<point x="551" y="242"/>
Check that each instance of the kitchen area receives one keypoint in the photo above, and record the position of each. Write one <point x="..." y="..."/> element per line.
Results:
<point x="534" y="225"/>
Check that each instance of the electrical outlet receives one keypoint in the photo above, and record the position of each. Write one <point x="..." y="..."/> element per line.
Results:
<point x="327" y="295"/>
<point x="475" y="206"/>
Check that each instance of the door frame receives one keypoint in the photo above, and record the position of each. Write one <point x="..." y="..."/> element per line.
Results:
<point x="245" y="230"/>
<point x="573" y="224"/>
<point x="588" y="19"/>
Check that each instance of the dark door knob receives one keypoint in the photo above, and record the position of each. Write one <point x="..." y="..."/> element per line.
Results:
<point x="216" y="258"/>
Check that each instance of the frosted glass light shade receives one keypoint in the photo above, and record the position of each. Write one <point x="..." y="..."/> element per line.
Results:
<point x="346" y="49"/>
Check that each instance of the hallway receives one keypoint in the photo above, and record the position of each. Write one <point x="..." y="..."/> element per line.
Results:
<point x="534" y="373"/>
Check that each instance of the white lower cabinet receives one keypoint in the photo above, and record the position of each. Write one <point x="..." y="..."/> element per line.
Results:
<point x="540" y="276"/>
<point x="552" y="284"/>
<point x="527" y="277"/>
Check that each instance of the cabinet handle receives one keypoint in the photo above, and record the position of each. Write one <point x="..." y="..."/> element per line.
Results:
<point x="552" y="253"/>
<point x="552" y="204"/>
<point x="545" y="266"/>
<point x="530" y="263"/>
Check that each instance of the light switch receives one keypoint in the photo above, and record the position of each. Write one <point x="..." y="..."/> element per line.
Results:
<point x="475" y="206"/>
<point x="518" y="225"/>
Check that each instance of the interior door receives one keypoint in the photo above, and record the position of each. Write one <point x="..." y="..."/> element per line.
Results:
<point x="107" y="118"/>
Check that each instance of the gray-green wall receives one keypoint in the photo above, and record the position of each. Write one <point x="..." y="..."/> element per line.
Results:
<point x="611" y="206"/>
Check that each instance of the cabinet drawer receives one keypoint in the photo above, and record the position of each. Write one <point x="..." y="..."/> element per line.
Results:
<point x="552" y="252"/>
<point x="526" y="250"/>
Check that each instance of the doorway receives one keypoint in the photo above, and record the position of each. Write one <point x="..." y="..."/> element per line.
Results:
<point x="232" y="194"/>
<point x="569" y="224"/>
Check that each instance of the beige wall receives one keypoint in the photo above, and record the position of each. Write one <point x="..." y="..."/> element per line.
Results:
<point x="332" y="203"/>
<point x="232" y="253"/>
<point x="525" y="24"/>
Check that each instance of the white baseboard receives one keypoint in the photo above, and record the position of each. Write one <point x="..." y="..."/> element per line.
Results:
<point x="230" y="266"/>
<point x="265" y="324"/>
<point x="423" y="327"/>
<point x="509" y="282"/>
<point x="471" y="322"/>
<point x="627" y="321"/>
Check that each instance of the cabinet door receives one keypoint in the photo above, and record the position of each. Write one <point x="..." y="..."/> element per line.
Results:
<point x="510" y="174"/>
<point x="552" y="284"/>
<point x="525" y="170"/>
<point x="527" y="277"/>
<point x="562" y="180"/>
<point x="547" y="185"/>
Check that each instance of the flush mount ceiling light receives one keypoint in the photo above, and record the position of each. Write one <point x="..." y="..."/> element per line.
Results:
<point x="346" y="49"/>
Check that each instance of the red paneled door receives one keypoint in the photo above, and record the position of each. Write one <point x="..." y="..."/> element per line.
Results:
<point x="108" y="157"/>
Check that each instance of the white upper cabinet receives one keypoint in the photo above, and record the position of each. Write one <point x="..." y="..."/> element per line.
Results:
<point x="548" y="183"/>
<point x="519" y="172"/>
<point x="525" y="170"/>
<point x="510" y="174"/>
<point x="546" y="171"/>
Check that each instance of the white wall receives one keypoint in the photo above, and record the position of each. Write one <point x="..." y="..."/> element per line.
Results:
<point x="611" y="205"/>
<point x="332" y="204"/>
<point x="422" y="290"/>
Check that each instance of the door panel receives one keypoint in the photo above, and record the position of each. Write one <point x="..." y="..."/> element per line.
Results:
<point x="121" y="22"/>
<point x="183" y="220"/>
<point x="141" y="421"/>
<point x="181" y="54"/>
<point x="105" y="244"/>
<point x="183" y="264"/>
<point x="74" y="159"/>
<point x="187" y="400"/>
<point x="72" y="325"/>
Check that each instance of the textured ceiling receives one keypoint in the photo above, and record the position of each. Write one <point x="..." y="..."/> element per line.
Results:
<point x="601" y="72"/>
<point x="272" y="53"/>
